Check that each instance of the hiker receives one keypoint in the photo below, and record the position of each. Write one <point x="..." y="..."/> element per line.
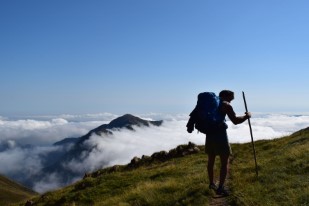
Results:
<point x="212" y="107"/>
<point x="217" y="142"/>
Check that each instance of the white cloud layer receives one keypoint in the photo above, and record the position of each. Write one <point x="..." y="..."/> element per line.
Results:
<point x="20" y="162"/>
<point x="43" y="132"/>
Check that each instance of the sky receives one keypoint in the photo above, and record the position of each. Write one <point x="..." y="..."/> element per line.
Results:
<point x="138" y="56"/>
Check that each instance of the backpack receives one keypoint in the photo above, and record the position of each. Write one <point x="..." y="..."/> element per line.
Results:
<point x="206" y="116"/>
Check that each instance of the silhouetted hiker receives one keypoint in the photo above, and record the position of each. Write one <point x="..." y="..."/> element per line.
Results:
<point x="209" y="118"/>
<point x="217" y="142"/>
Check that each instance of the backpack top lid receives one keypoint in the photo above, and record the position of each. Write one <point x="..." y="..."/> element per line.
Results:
<point x="208" y="104"/>
<point x="206" y="98"/>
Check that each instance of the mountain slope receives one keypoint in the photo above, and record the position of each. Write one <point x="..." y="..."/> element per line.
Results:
<point x="283" y="178"/>
<point x="75" y="149"/>
<point x="69" y="140"/>
<point x="283" y="166"/>
<point x="161" y="179"/>
<point x="126" y="121"/>
<point x="11" y="191"/>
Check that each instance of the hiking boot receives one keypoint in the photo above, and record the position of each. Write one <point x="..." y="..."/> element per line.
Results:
<point x="212" y="186"/>
<point x="222" y="191"/>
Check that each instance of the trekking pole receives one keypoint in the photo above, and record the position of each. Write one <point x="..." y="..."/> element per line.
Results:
<point x="256" y="168"/>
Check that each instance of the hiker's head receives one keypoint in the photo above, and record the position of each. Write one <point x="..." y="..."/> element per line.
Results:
<point x="226" y="95"/>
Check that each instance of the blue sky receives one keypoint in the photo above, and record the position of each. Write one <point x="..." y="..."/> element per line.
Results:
<point x="140" y="56"/>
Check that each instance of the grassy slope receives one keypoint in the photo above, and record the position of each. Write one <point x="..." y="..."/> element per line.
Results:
<point x="11" y="192"/>
<point x="283" y="172"/>
<point x="283" y="179"/>
<point x="179" y="181"/>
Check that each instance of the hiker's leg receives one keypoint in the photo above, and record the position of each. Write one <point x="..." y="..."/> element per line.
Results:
<point x="210" y="167"/>
<point x="224" y="167"/>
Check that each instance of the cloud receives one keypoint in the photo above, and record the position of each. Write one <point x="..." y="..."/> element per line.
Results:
<point x="43" y="132"/>
<point x="21" y="163"/>
<point x="120" y="147"/>
<point x="76" y="117"/>
<point x="48" y="182"/>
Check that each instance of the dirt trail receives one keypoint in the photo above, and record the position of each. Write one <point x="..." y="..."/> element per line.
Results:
<point x="219" y="200"/>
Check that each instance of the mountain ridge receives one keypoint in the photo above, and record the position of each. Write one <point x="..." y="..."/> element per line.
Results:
<point x="183" y="180"/>
<point x="126" y="121"/>
<point x="11" y="191"/>
<point x="75" y="149"/>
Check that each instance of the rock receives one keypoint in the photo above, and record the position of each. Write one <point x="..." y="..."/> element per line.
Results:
<point x="145" y="157"/>
<point x="162" y="156"/>
<point x="191" y="145"/>
<point x="135" y="160"/>
<point x="196" y="149"/>
<point x="86" y="175"/>
<point x="29" y="203"/>
<point x="114" y="168"/>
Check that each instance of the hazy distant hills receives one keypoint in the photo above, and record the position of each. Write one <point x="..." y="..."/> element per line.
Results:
<point x="11" y="191"/>
<point x="69" y="140"/>
<point x="75" y="149"/>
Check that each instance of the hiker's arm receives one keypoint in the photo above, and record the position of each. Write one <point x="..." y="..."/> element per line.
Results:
<point x="192" y="120"/>
<point x="228" y="109"/>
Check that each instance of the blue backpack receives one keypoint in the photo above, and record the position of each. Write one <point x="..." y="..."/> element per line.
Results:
<point x="206" y="116"/>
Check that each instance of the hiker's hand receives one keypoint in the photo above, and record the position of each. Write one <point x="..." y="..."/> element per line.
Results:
<point x="190" y="130"/>
<point x="248" y="115"/>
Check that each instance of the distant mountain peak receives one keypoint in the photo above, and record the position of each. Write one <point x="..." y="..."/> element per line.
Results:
<point x="128" y="120"/>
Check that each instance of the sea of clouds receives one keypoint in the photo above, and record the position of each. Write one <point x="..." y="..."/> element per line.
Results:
<point x="25" y="142"/>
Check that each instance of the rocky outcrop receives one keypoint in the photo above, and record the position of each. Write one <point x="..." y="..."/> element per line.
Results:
<point x="180" y="151"/>
<point x="162" y="156"/>
<point x="29" y="203"/>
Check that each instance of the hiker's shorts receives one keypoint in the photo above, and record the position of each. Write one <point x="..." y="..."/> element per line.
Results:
<point x="217" y="143"/>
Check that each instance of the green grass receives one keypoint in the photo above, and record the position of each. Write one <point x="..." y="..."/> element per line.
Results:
<point x="283" y="179"/>
<point x="283" y="166"/>
<point x="12" y="192"/>
<point x="180" y="181"/>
